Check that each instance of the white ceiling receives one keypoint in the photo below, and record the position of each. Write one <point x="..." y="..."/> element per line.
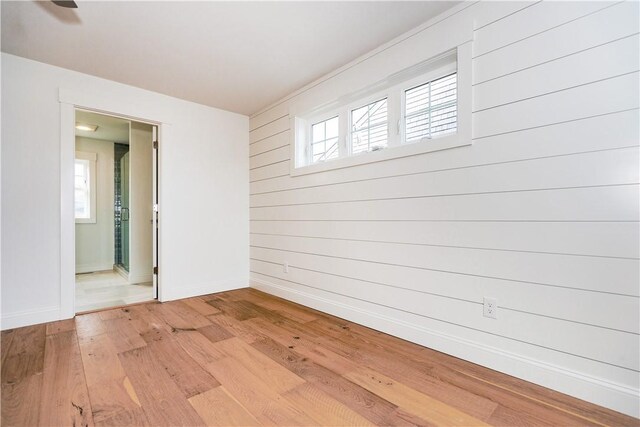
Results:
<point x="109" y="128"/>
<point x="238" y="56"/>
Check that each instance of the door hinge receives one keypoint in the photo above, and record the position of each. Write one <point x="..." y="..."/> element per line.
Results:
<point x="155" y="145"/>
<point x="155" y="270"/>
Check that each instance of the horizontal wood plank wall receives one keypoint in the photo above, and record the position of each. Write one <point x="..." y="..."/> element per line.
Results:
<point x="541" y="212"/>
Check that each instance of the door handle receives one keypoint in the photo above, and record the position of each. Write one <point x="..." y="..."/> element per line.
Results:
<point x="124" y="213"/>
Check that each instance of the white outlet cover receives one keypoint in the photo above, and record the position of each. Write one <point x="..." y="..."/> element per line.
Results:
<point x="490" y="308"/>
<point x="285" y="267"/>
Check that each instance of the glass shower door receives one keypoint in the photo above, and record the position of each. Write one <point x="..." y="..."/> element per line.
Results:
<point x="124" y="215"/>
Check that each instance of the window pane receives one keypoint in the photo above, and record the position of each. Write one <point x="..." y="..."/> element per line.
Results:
<point x="318" y="131"/>
<point x="332" y="128"/>
<point x="431" y="109"/>
<point x="369" y="127"/>
<point x="332" y="149"/>
<point x="324" y="142"/>
<point x="82" y="192"/>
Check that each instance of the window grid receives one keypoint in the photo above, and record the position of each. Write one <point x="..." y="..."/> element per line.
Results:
<point x="324" y="140"/>
<point x="431" y="109"/>
<point x="369" y="127"/>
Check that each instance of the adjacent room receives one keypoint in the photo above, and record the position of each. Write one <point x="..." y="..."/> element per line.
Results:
<point x="114" y="215"/>
<point x="296" y="213"/>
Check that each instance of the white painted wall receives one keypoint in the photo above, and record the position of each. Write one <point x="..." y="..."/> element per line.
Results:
<point x="203" y="188"/>
<point x="540" y="212"/>
<point x="94" y="241"/>
<point x="140" y="204"/>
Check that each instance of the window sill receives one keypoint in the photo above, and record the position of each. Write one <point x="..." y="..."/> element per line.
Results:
<point x="86" y="221"/>
<point x="389" y="153"/>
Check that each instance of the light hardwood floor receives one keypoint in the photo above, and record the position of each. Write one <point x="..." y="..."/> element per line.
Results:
<point x="104" y="289"/>
<point x="247" y="358"/>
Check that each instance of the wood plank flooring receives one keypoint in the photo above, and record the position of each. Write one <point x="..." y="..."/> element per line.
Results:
<point x="247" y="358"/>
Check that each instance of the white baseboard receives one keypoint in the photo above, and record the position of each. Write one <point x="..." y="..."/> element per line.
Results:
<point x="611" y="395"/>
<point x="90" y="268"/>
<point x="130" y="277"/>
<point x="30" y="317"/>
<point x="179" y="292"/>
<point x="140" y="278"/>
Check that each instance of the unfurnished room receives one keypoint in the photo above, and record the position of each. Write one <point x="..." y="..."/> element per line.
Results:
<point x="320" y="213"/>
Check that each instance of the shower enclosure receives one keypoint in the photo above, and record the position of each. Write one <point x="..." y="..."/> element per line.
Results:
<point x="121" y="205"/>
<point x="124" y="210"/>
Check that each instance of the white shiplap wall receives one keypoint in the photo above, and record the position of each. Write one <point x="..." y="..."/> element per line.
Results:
<point x="541" y="212"/>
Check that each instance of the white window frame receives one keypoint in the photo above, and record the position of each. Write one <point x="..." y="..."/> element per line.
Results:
<point x="91" y="159"/>
<point x="308" y="140"/>
<point x="393" y="88"/>
<point x="378" y="96"/>
<point x="420" y="81"/>
<point x="312" y="142"/>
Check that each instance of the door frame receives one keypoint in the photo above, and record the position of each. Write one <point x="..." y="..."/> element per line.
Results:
<point x="111" y="105"/>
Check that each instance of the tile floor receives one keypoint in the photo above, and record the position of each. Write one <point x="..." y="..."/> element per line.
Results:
<point x="104" y="289"/>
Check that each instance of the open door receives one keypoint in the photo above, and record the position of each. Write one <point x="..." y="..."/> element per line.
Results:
<point x="116" y="249"/>
<point x="125" y="210"/>
<point x="154" y="218"/>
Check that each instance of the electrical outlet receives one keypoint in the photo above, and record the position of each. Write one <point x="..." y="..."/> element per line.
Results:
<point x="285" y="267"/>
<point x="490" y="308"/>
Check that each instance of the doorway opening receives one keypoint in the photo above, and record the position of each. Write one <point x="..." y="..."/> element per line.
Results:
<point x="115" y="208"/>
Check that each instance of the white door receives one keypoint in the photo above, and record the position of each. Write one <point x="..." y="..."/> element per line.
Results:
<point x="154" y="218"/>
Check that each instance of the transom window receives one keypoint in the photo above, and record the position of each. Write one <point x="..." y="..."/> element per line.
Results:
<point x="431" y="109"/>
<point x="324" y="140"/>
<point x="418" y="108"/>
<point x="369" y="127"/>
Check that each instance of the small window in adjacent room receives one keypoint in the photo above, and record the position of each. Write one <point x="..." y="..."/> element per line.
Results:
<point x="324" y="140"/>
<point x="369" y="127"/>
<point x="85" y="187"/>
<point x="431" y="109"/>
<point x="82" y="189"/>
